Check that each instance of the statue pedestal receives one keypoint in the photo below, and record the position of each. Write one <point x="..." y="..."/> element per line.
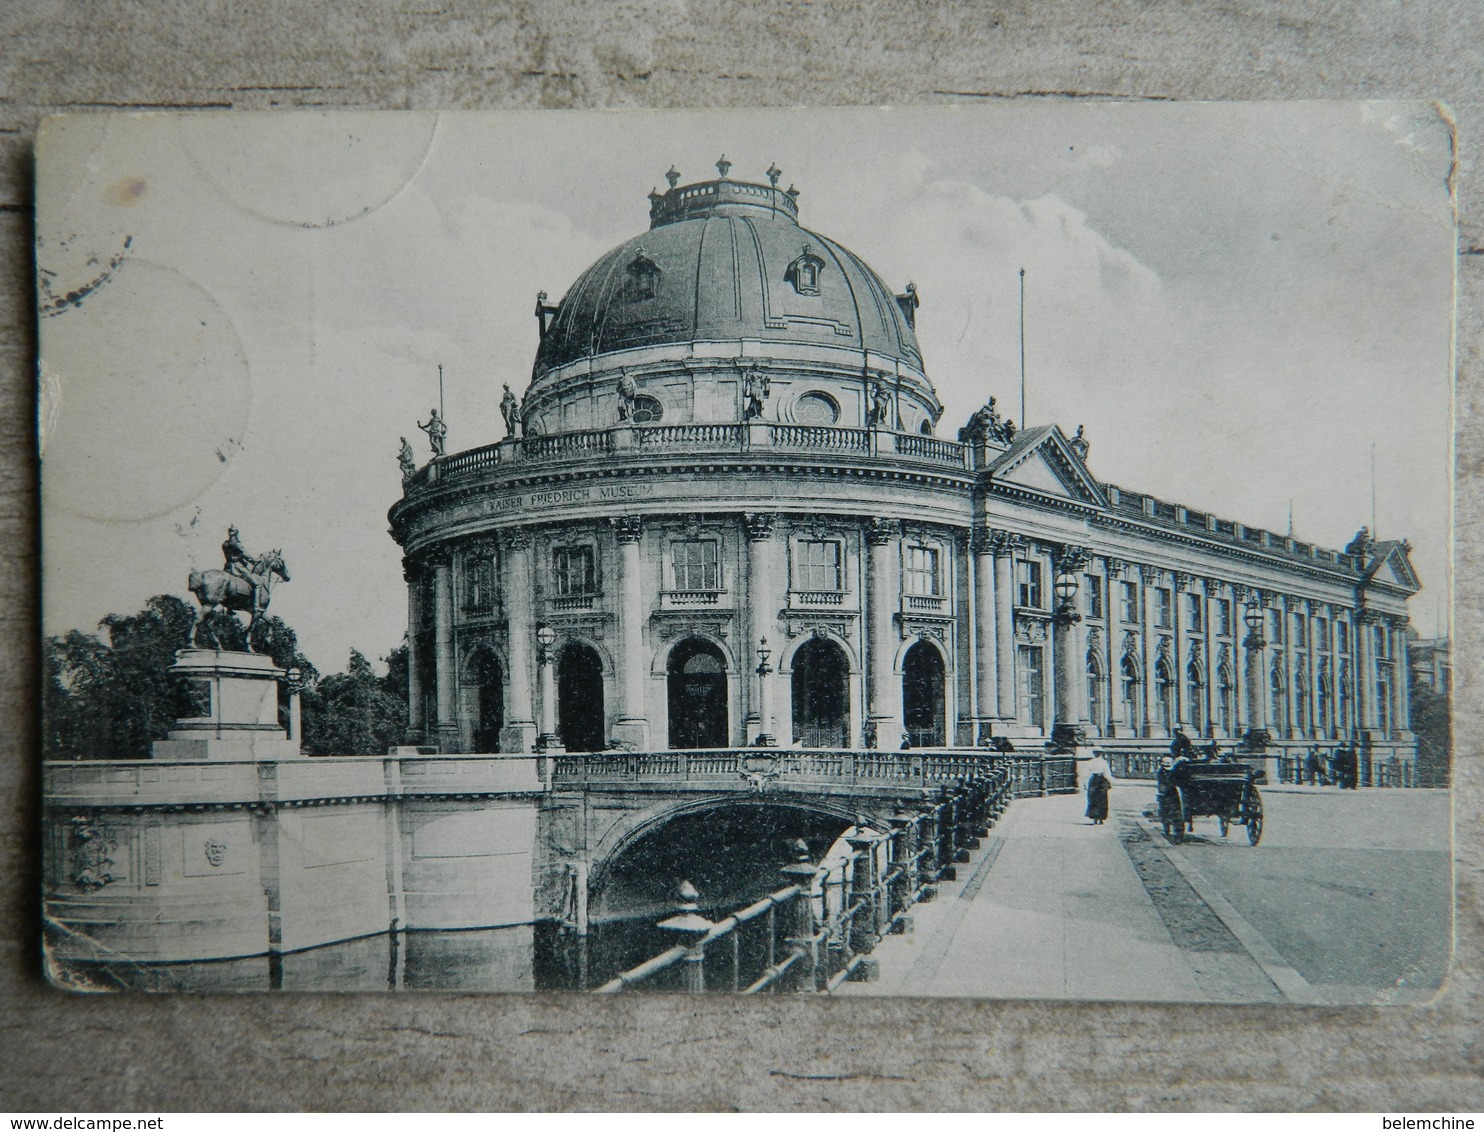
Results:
<point x="235" y="698"/>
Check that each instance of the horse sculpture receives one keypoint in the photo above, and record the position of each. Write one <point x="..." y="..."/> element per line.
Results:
<point x="215" y="588"/>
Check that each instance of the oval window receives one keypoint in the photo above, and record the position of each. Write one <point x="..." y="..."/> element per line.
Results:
<point x="816" y="409"/>
<point x="647" y="410"/>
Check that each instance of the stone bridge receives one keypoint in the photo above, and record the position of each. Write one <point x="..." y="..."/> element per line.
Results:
<point x="601" y="806"/>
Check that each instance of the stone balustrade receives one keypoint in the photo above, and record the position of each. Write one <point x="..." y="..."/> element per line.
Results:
<point x="732" y="437"/>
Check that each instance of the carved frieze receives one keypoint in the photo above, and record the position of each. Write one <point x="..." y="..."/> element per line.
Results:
<point x="880" y="531"/>
<point x="1031" y="630"/>
<point x="1183" y="580"/>
<point x="1150" y="575"/>
<point x="1070" y="559"/>
<point x="518" y="538"/>
<point x="760" y="525"/>
<point x="627" y="528"/>
<point x="671" y="623"/>
<point x="1131" y="643"/>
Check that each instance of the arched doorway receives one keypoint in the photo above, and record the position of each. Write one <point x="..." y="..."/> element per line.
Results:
<point x="922" y="695"/>
<point x="490" y="692"/>
<point x="580" y="699"/>
<point x="820" y="694"/>
<point x="697" y="695"/>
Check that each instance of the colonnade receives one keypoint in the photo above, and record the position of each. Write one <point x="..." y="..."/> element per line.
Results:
<point x="1172" y="632"/>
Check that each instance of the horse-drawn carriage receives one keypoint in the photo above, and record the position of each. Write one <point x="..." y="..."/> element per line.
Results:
<point x="1226" y="791"/>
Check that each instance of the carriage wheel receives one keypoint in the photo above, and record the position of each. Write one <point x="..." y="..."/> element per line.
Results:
<point x="1254" y="819"/>
<point x="1225" y="825"/>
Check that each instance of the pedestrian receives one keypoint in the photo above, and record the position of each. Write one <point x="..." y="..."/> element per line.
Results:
<point x="1097" y="797"/>
<point x="1311" y="766"/>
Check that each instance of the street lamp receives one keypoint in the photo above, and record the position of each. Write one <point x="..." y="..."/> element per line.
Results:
<point x="1065" y="589"/>
<point x="547" y="740"/>
<point x="1067" y="733"/>
<point x="1256" y="738"/>
<point x="764" y="713"/>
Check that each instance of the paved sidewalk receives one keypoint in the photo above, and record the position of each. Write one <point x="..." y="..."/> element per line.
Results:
<point x="1050" y="907"/>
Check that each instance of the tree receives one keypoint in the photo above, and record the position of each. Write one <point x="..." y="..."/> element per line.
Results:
<point x="111" y="701"/>
<point x="353" y="712"/>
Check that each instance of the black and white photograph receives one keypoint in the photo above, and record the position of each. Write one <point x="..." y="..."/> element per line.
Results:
<point x="978" y="551"/>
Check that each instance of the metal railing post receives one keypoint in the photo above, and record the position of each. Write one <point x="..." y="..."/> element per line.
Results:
<point x="691" y="927"/>
<point x="803" y="872"/>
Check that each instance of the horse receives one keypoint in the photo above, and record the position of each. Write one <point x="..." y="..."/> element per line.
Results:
<point x="215" y="588"/>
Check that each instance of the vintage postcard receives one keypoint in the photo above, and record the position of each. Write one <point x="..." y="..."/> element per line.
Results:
<point x="997" y="552"/>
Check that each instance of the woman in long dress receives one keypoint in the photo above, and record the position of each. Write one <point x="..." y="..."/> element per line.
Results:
<point x="1097" y="797"/>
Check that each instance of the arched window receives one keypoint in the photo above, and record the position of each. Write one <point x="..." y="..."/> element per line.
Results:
<point x="804" y="272"/>
<point x="1322" y="699"/>
<point x="1128" y="682"/>
<point x="1225" y="698"/>
<point x="1195" y="689"/>
<point x="1164" y="695"/>
<point x="926" y="428"/>
<point x="1301" y="702"/>
<point x="1346" y="701"/>
<point x="1277" y="699"/>
<point x="1097" y="701"/>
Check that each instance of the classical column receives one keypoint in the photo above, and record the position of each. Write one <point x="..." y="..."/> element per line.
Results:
<point x="1180" y="630"/>
<point x="765" y="573"/>
<point x="1400" y="678"/>
<point x="443" y="654"/>
<point x="417" y="724"/>
<point x="519" y="731"/>
<point x="986" y="690"/>
<point x="1315" y="727"/>
<point x="1149" y="642"/>
<point x="1286" y="606"/>
<point x="1209" y="587"/>
<point x="1069" y="727"/>
<point x="1121" y="726"/>
<point x="633" y="723"/>
<point x="1004" y="544"/>
<point x="1365" y="677"/>
<point x="885" y="692"/>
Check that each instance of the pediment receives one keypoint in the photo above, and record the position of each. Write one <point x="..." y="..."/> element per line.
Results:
<point x="1043" y="461"/>
<point x="1393" y="566"/>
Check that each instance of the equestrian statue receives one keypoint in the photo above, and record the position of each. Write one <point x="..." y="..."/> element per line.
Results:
<point x="245" y="584"/>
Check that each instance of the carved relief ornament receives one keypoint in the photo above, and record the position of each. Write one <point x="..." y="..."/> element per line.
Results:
<point x="760" y="525"/>
<point x="627" y="528"/>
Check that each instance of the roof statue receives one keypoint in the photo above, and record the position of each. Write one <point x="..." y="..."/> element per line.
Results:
<point x="437" y="432"/>
<point x="405" y="459"/>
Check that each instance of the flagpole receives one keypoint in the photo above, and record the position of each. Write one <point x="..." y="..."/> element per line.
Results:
<point x="1022" y="348"/>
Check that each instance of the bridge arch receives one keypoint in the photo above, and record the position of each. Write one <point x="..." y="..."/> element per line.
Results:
<point x="820" y="821"/>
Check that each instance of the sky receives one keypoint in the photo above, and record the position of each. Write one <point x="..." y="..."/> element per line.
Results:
<point x="1248" y="306"/>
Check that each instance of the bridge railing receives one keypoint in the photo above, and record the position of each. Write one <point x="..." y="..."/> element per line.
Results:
<point x="758" y="768"/>
<point x="818" y="930"/>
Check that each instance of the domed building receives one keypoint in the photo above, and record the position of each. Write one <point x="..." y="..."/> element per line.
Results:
<point x="723" y="516"/>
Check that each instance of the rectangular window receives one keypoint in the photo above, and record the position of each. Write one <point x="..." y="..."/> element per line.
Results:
<point x="1321" y="634"/>
<point x="479" y="583"/>
<point x="1029" y="579"/>
<point x="1163" y="608"/>
<point x="1196" y="610"/>
<point x="1300" y="631"/>
<point x="1342" y="636"/>
<point x="1380" y="638"/>
<point x="574" y="570"/>
<point x="922" y="572"/>
<point x="1130" y="602"/>
<point x="819" y="565"/>
<point x="697" y="565"/>
<point x="1092" y="600"/>
<point x="1224" y="617"/>
<point x="1275" y="625"/>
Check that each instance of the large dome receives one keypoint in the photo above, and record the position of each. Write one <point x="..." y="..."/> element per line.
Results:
<point x="727" y="261"/>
